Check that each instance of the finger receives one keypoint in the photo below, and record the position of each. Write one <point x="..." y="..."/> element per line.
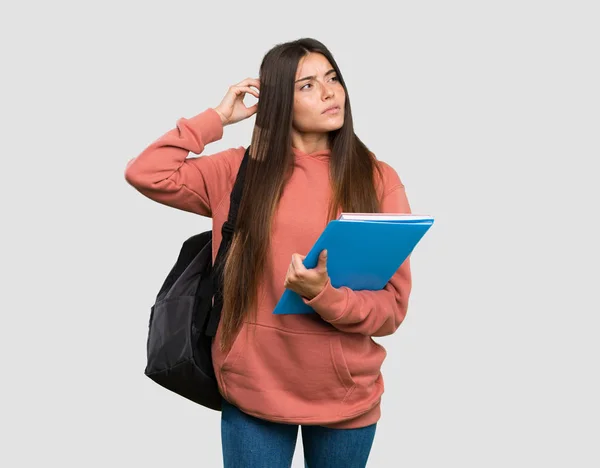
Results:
<point x="250" y="82"/>
<point x="251" y="110"/>
<point x="297" y="263"/>
<point x="292" y="265"/>
<point x="290" y="271"/>
<point x="322" y="263"/>
<point x="247" y="80"/>
<point x="241" y="89"/>
<point x="289" y="277"/>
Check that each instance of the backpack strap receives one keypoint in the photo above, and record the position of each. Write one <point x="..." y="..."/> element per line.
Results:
<point x="227" y="233"/>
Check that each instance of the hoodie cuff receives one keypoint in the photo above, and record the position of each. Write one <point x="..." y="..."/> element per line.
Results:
<point x="208" y="124"/>
<point x="330" y="303"/>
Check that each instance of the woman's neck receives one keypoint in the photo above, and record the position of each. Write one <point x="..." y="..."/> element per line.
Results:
<point x="310" y="142"/>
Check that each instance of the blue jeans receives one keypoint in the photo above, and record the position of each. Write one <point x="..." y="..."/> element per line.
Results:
<point x="250" y="442"/>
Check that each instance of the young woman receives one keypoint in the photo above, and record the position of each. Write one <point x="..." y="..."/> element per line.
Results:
<point x="278" y="372"/>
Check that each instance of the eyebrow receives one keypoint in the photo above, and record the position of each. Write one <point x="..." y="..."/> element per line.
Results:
<point x="313" y="77"/>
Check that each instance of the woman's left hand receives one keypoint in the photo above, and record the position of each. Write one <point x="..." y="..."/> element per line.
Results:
<point x="308" y="283"/>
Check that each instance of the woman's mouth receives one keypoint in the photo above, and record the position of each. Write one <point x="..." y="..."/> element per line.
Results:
<point x="332" y="110"/>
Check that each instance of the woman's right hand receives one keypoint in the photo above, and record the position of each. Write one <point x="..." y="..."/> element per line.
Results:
<point x="232" y="108"/>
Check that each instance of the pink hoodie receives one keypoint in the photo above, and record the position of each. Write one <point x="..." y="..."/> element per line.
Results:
<point x="319" y="368"/>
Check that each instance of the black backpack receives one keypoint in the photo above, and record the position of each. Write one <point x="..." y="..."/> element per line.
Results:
<point x="186" y="313"/>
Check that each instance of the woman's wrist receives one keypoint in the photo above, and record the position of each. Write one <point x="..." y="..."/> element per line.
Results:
<point x="223" y="119"/>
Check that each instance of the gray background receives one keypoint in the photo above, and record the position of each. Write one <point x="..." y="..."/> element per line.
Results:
<point x="489" y="111"/>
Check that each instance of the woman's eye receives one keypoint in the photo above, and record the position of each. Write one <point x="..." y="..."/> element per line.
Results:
<point x="308" y="84"/>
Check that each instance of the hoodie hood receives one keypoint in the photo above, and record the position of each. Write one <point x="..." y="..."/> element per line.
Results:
<point x="320" y="154"/>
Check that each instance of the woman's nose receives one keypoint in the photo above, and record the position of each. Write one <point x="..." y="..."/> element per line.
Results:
<point x="327" y="91"/>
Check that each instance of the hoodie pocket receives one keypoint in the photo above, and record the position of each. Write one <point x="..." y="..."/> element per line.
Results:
<point x="237" y="346"/>
<point x="286" y="373"/>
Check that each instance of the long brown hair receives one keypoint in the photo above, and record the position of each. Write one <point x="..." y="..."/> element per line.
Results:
<point x="270" y="163"/>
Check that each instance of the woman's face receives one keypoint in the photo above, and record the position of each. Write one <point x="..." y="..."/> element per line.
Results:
<point x="316" y="89"/>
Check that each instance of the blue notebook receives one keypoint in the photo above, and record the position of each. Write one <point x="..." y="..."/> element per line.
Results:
<point x="364" y="250"/>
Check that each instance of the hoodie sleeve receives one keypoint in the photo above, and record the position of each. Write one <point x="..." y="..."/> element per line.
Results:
<point x="372" y="313"/>
<point x="164" y="173"/>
